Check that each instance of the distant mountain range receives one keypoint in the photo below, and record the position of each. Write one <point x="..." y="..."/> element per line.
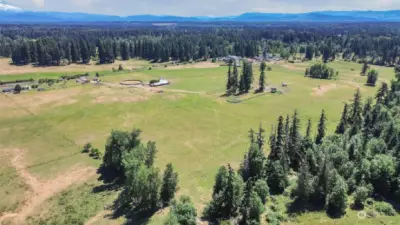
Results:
<point x="13" y="14"/>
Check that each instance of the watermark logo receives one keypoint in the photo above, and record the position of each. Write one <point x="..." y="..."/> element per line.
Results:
<point x="362" y="215"/>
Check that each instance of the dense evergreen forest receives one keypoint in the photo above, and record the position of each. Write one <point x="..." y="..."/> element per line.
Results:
<point x="376" y="43"/>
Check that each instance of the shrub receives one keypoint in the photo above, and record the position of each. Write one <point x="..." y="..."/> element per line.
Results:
<point x="86" y="148"/>
<point x="50" y="82"/>
<point x="184" y="211"/>
<point x="95" y="153"/>
<point x="272" y="219"/>
<point x="385" y="208"/>
<point x="276" y="218"/>
<point x="360" y="196"/>
<point x="336" y="202"/>
<point x="33" y="86"/>
<point x="17" y="89"/>
<point x="153" y="81"/>
<point x="213" y="60"/>
<point x="262" y="190"/>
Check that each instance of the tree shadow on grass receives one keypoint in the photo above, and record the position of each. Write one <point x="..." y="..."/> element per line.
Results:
<point x="123" y="208"/>
<point x="109" y="182"/>
<point x="225" y="95"/>
<point x="109" y="177"/>
<point x="258" y="91"/>
<point x="298" y="207"/>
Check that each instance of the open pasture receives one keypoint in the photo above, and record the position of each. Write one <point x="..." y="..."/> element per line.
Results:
<point x="196" y="129"/>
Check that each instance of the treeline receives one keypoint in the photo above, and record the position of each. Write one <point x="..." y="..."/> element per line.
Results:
<point x="48" y="45"/>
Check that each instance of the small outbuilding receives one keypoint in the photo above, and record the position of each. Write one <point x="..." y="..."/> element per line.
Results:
<point x="82" y="80"/>
<point x="161" y="82"/>
<point x="8" y="90"/>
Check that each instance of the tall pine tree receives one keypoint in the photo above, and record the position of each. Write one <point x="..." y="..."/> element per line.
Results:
<point x="321" y="128"/>
<point x="234" y="81"/>
<point x="342" y="126"/>
<point x="169" y="185"/>
<point x="229" y="80"/>
<point x="261" y="82"/>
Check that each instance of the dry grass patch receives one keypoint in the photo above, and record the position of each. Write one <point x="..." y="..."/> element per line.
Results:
<point x="106" y="95"/>
<point x="6" y="68"/>
<point x="200" y="65"/>
<point x="41" y="190"/>
<point x="35" y="100"/>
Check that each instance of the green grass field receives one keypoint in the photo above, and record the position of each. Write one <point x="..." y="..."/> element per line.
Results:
<point x="195" y="129"/>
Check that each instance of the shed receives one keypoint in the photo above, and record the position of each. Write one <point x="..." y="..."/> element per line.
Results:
<point x="161" y="82"/>
<point x="82" y="80"/>
<point x="8" y="90"/>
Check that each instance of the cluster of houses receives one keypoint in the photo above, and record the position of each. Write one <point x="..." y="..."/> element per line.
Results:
<point x="10" y="89"/>
<point x="235" y="60"/>
<point x="85" y="80"/>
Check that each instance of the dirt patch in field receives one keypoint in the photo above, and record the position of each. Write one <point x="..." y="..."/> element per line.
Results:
<point x="292" y="66"/>
<point x="322" y="89"/>
<point x="174" y="97"/>
<point x="200" y="65"/>
<point x="8" y="69"/>
<point x="123" y="99"/>
<point x="117" y="93"/>
<point x="56" y="98"/>
<point x="41" y="190"/>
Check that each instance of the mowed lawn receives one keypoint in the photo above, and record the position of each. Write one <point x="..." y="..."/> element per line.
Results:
<point x="195" y="129"/>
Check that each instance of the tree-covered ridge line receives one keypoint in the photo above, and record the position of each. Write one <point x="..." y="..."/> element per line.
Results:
<point x="374" y="43"/>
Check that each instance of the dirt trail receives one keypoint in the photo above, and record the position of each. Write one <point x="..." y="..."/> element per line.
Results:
<point x="98" y="217"/>
<point x="42" y="189"/>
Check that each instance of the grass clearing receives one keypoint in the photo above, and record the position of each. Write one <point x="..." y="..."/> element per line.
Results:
<point x="8" y="69"/>
<point x="195" y="128"/>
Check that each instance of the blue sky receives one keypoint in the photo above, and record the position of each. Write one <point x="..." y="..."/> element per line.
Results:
<point x="201" y="7"/>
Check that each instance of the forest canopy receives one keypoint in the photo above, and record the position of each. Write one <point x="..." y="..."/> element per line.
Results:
<point x="48" y="45"/>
